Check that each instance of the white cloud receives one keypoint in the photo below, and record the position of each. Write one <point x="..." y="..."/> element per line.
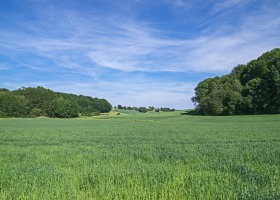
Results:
<point x="131" y="46"/>
<point x="180" y="3"/>
<point x="223" y="52"/>
<point x="79" y="44"/>
<point x="145" y="93"/>
<point x="132" y="91"/>
<point x="227" y="4"/>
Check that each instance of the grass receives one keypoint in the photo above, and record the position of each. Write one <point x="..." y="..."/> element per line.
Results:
<point x="130" y="112"/>
<point x="145" y="156"/>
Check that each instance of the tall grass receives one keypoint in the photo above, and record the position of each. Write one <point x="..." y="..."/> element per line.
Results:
<point x="148" y="156"/>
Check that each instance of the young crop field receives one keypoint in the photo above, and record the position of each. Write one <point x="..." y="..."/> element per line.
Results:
<point x="147" y="156"/>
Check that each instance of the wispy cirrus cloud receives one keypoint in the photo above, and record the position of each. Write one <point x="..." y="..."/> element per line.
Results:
<point x="110" y="55"/>
<point x="131" y="46"/>
<point x="228" y="4"/>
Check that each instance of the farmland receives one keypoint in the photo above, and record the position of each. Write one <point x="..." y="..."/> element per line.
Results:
<point x="146" y="156"/>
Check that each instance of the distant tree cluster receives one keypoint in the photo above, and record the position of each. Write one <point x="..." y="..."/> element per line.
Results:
<point x="39" y="101"/>
<point x="249" y="89"/>
<point x="144" y="109"/>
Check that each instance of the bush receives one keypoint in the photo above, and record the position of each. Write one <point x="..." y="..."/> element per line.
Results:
<point x="36" y="112"/>
<point x="96" y="114"/>
<point x="3" y="115"/>
<point x="62" y="108"/>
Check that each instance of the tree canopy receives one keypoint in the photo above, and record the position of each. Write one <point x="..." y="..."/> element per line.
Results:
<point x="253" y="88"/>
<point x="39" y="101"/>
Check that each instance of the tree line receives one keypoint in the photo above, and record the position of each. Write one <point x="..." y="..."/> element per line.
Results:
<point x="144" y="109"/>
<point x="253" y="88"/>
<point x="39" y="101"/>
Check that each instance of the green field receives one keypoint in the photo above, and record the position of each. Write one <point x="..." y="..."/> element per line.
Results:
<point x="145" y="156"/>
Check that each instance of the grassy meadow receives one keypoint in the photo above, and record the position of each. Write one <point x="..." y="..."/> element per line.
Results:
<point x="146" y="156"/>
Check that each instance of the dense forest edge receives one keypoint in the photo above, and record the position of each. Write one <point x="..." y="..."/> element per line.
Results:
<point x="39" y="101"/>
<point x="253" y="88"/>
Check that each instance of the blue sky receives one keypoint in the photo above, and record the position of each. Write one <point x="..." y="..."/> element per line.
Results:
<point x="133" y="53"/>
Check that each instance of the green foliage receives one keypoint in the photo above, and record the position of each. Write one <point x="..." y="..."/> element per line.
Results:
<point x="39" y="101"/>
<point x="142" y="109"/>
<point x="104" y="106"/>
<point x="4" y="90"/>
<point x="212" y="104"/>
<point x="36" y="112"/>
<point x="13" y="105"/>
<point x="3" y="114"/>
<point x="62" y="108"/>
<point x="38" y="97"/>
<point x="146" y="156"/>
<point x="88" y="105"/>
<point x="96" y="114"/>
<point x="249" y="89"/>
